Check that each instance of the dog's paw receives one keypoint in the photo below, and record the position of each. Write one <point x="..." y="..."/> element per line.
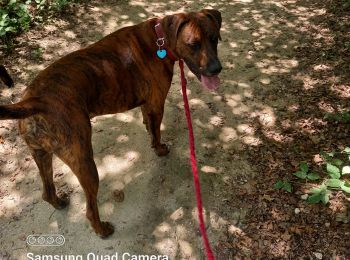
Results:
<point x="107" y="229"/>
<point x="57" y="202"/>
<point x="161" y="150"/>
<point x="62" y="202"/>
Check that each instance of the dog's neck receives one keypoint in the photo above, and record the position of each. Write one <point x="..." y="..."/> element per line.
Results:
<point x="162" y="39"/>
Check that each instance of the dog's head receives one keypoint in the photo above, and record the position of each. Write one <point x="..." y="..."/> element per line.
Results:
<point x="194" y="38"/>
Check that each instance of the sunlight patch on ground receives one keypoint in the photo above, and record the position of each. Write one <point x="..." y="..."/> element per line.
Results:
<point x="233" y="44"/>
<point x="111" y="25"/>
<point x="126" y="117"/>
<point x="176" y="240"/>
<point x="265" y="81"/>
<point x="122" y="138"/>
<point x="322" y="67"/>
<point x="244" y="1"/>
<point x="54" y="226"/>
<point x="229" y="65"/>
<point x="251" y="140"/>
<point x="245" y="129"/>
<point x="276" y="66"/>
<point x="326" y="107"/>
<point x="216" y="221"/>
<point x="227" y="134"/>
<point x="190" y="75"/>
<point x="35" y="67"/>
<point x="194" y="213"/>
<point x="211" y="169"/>
<point x="70" y="34"/>
<point x="112" y="164"/>
<point x="197" y="103"/>
<point x="162" y="230"/>
<point x="177" y="214"/>
<point x="309" y="83"/>
<point x="77" y="209"/>
<point x="266" y="116"/>
<point x="240" y="26"/>
<point x="9" y="204"/>
<point x="278" y="137"/>
<point x="106" y="208"/>
<point x="216" y="121"/>
<point x="235" y="230"/>
<point x="202" y="125"/>
<point x="167" y="246"/>
<point x="186" y="250"/>
<point x="125" y="24"/>
<point x="139" y="3"/>
<point x="343" y="91"/>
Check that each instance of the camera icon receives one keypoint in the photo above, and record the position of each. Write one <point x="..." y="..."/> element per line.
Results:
<point x="46" y="240"/>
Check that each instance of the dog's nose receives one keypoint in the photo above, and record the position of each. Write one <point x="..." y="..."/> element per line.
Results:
<point x="214" y="67"/>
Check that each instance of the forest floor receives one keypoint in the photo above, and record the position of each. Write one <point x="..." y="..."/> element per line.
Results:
<point x="286" y="66"/>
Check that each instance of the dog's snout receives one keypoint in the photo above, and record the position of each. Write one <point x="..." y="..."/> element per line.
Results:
<point x="214" y="67"/>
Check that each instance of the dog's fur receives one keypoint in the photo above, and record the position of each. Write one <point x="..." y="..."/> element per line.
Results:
<point x="117" y="73"/>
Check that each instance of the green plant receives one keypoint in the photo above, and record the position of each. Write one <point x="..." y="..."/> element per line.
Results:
<point x="60" y="4"/>
<point x="14" y="17"/>
<point x="40" y="8"/>
<point x="337" y="165"/>
<point x="343" y="117"/>
<point x="347" y="46"/>
<point x="305" y="174"/>
<point x="40" y="4"/>
<point x="18" y="15"/>
<point x="319" y="194"/>
<point x="335" y="169"/>
<point x="37" y="53"/>
<point x="347" y="3"/>
<point x="284" y="185"/>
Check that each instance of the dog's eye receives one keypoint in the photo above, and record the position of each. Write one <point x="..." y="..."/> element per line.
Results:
<point x="195" y="45"/>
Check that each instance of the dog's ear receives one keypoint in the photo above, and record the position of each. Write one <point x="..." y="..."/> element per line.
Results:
<point x="172" y="25"/>
<point x="215" y="16"/>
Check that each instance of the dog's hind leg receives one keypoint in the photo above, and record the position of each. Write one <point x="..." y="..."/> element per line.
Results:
<point x="152" y="117"/>
<point x="43" y="160"/>
<point x="145" y="117"/>
<point x="79" y="157"/>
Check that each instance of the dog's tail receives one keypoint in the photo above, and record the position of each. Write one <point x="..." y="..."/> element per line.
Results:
<point x="5" y="77"/>
<point x="23" y="109"/>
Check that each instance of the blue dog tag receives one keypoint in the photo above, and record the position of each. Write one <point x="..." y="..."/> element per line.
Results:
<point x="161" y="53"/>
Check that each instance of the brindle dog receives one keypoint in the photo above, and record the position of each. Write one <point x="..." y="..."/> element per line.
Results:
<point x="118" y="73"/>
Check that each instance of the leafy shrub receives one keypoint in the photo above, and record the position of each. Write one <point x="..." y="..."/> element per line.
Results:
<point x="18" y="15"/>
<point x="336" y="172"/>
<point x="343" y="117"/>
<point x="347" y="4"/>
<point x="14" y="17"/>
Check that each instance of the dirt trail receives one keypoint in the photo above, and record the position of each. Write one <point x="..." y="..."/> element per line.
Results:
<point x="158" y="213"/>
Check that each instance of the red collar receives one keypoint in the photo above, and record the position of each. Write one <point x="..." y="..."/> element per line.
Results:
<point x="161" y="37"/>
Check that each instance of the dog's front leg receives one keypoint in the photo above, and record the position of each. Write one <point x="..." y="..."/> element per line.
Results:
<point x="152" y="118"/>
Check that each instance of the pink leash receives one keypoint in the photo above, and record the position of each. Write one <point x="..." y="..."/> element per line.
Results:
<point x="194" y="164"/>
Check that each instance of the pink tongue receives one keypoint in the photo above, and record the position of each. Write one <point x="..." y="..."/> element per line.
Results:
<point x="210" y="83"/>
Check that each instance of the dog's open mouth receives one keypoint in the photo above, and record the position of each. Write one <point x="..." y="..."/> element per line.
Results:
<point x="210" y="82"/>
